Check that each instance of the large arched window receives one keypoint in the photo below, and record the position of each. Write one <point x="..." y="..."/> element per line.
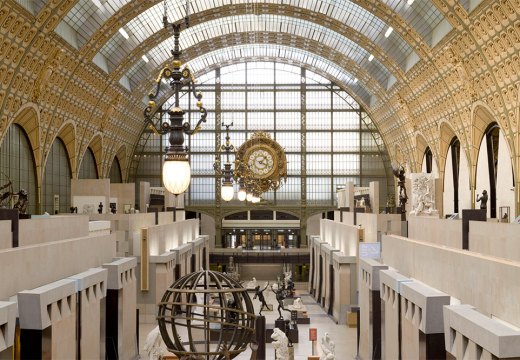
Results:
<point x="115" y="172"/>
<point x="427" y="160"/>
<point x="455" y="168"/>
<point x="494" y="171"/>
<point x="88" y="169"/>
<point x="328" y="138"/>
<point x="56" y="180"/>
<point x="17" y="165"/>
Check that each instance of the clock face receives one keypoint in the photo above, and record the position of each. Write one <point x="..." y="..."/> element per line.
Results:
<point x="261" y="161"/>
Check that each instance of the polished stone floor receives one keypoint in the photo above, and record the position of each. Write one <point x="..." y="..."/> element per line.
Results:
<point x="344" y="337"/>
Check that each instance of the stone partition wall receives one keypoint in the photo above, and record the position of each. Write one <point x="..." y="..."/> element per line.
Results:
<point x="370" y="309"/>
<point x="48" y="321"/>
<point x="495" y="239"/>
<point x="345" y="285"/>
<point x="182" y="260"/>
<point x="422" y="327"/>
<point x="7" y="328"/>
<point x="326" y="251"/>
<point x="32" y="266"/>
<point x="53" y="228"/>
<point x="377" y="223"/>
<point x="488" y="283"/>
<point x="436" y="231"/>
<point x="342" y="237"/>
<point x="390" y="291"/>
<point x="91" y="288"/>
<point x="161" y="275"/>
<point x="167" y="217"/>
<point x="471" y="335"/>
<point x="163" y="238"/>
<point x="6" y="240"/>
<point x="121" y="305"/>
<point x="318" y="268"/>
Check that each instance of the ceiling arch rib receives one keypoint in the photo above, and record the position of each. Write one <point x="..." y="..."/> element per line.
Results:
<point x="362" y="91"/>
<point x="354" y="16"/>
<point x="95" y="20"/>
<point x="265" y="29"/>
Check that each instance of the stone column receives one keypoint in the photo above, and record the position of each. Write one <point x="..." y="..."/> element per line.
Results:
<point x="370" y="309"/>
<point x="48" y="321"/>
<point x="390" y="288"/>
<point x="7" y="328"/>
<point x="470" y="334"/>
<point x="344" y="289"/>
<point x="422" y="335"/>
<point x="121" y="309"/>
<point x="91" y="287"/>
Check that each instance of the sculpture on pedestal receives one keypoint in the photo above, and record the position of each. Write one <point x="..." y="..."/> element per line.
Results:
<point x="483" y="199"/>
<point x="260" y="294"/>
<point x="328" y="347"/>
<point x="100" y="208"/>
<point x="280" y="296"/>
<point x="403" y="198"/>
<point x="154" y="345"/>
<point x="251" y="284"/>
<point x="423" y="194"/>
<point x="280" y="344"/>
<point x="297" y="304"/>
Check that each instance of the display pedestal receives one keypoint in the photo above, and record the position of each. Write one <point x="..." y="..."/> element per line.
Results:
<point x="291" y="330"/>
<point x="260" y="337"/>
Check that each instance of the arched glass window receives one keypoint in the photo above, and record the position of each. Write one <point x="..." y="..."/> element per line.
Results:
<point x="115" y="172"/>
<point x="56" y="180"/>
<point x="455" y="165"/>
<point x="88" y="168"/>
<point x="428" y="159"/>
<point x="492" y="135"/>
<point x="17" y="165"/>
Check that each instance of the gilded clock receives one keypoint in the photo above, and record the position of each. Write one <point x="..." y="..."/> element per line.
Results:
<point x="261" y="161"/>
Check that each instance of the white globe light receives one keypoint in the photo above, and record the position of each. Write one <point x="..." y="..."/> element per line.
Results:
<point x="255" y="199"/>
<point x="242" y="194"/>
<point x="249" y="197"/>
<point x="227" y="192"/>
<point x="176" y="176"/>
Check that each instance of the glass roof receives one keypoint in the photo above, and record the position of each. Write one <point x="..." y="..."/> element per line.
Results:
<point x="270" y="23"/>
<point x="150" y="21"/>
<point x="221" y="57"/>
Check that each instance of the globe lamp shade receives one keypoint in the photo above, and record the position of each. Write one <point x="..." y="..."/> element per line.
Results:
<point x="255" y="199"/>
<point x="227" y="192"/>
<point x="242" y="194"/>
<point x="249" y="197"/>
<point x="176" y="175"/>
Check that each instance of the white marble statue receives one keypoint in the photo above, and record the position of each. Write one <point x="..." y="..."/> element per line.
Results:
<point x="252" y="284"/>
<point x="287" y="278"/>
<point x="297" y="304"/>
<point x="423" y="195"/>
<point x="328" y="347"/>
<point x="154" y="345"/>
<point x="280" y="344"/>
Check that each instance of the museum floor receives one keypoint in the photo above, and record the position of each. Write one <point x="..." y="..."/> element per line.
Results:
<point x="344" y="337"/>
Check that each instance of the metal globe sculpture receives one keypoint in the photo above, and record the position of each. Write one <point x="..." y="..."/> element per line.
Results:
<point x="206" y="315"/>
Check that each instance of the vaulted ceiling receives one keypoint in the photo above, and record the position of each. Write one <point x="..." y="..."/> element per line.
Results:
<point x="411" y="64"/>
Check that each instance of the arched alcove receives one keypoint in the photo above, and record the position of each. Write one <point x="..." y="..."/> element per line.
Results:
<point x="18" y="166"/>
<point x="56" y="179"/>
<point x="88" y="168"/>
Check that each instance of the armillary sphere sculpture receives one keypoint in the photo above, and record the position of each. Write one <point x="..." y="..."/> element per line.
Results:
<point x="206" y="315"/>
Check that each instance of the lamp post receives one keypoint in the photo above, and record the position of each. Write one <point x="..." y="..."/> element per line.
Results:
<point x="176" y="169"/>
<point x="227" y="173"/>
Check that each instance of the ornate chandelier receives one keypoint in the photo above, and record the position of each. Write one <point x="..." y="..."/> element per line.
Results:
<point x="176" y="172"/>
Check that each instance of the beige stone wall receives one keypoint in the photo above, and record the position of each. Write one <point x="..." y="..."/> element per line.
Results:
<point x="372" y="223"/>
<point x="163" y="238"/>
<point x="488" y="283"/>
<point x="81" y="254"/>
<point x="125" y="195"/>
<point x="436" y="231"/>
<point x="6" y="238"/>
<point x="495" y="239"/>
<point x="53" y="228"/>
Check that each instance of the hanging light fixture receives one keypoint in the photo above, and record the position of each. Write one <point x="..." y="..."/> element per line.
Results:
<point x="176" y="168"/>
<point x="242" y="193"/>
<point x="227" y="174"/>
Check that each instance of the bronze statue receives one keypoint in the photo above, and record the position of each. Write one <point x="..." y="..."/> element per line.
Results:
<point x="280" y="296"/>
<point x="5" y="195"/>
<point x="260" y="294"/>
<point x="483" y="199"/>
<point x="403" y="198"/>
<point x="23" y="201"/>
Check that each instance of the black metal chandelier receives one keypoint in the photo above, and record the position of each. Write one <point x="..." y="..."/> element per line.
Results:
<point x="176" y="172"/>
